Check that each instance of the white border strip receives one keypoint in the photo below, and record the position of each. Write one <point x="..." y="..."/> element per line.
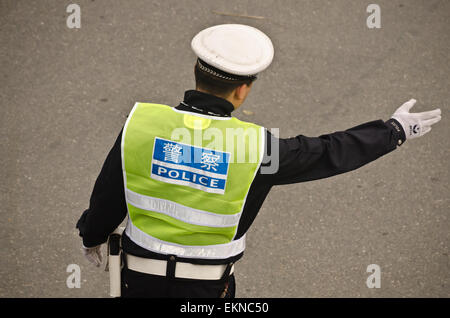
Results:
<point x="219" y="251"/>
<point x="122" y="144"/>
<point x="181" y="212"/>
<point x="261" y="155"/>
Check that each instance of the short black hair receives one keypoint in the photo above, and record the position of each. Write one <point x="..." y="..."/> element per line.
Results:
<point x="216" y="81"/>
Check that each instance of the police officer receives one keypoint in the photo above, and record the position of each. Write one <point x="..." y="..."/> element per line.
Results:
<point x="189" y="204"/>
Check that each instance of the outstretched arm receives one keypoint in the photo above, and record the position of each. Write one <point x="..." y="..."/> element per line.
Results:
<point x="304" y="158"/>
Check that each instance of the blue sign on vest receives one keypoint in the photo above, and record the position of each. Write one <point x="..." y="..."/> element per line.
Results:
<point x="200" y="168"/>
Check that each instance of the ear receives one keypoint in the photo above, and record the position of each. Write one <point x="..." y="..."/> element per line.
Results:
<point x="242" y="91"/>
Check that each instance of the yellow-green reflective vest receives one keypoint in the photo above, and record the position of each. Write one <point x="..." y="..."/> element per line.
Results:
<point x="186" y="179"/>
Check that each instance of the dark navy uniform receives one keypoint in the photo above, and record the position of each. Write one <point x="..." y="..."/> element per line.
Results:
<point x="301" y="159"/>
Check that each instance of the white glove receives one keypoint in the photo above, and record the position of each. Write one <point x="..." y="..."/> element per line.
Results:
<point x="416" y="124"/>
<point x="93" y="254"/>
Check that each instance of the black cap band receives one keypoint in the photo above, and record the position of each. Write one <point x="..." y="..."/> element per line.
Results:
<point x="205" y="67"/>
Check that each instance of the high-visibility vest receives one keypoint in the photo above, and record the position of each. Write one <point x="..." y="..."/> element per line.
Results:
<point x="186" y="179"/>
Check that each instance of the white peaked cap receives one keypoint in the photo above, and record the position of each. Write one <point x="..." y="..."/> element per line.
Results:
<point x="234" y="48"/>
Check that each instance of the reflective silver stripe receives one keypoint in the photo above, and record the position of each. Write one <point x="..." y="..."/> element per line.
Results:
<point x="181" y="212"/>
<point x="219" y="251"/>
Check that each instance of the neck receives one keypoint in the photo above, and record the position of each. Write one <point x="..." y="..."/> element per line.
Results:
<point x="228" y="98"/>
<point x="207" y="103"/>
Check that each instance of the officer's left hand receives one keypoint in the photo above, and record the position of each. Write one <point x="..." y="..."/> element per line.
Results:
<point x="93" y="254"/>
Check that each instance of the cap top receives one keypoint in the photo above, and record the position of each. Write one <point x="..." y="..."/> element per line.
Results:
<point x="234" y="48"/>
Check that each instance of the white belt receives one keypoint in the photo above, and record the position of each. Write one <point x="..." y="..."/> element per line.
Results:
<point x="182" y="270"/>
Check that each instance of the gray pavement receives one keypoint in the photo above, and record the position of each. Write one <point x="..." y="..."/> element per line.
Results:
<point x="65" y="94"/>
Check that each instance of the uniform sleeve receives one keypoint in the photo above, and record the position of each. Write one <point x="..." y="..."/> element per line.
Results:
<point x="107" y="207"/>
<point x="304" y="158"/>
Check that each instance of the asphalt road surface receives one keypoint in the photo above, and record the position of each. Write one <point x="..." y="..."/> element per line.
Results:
<point x="65" y="94"/>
